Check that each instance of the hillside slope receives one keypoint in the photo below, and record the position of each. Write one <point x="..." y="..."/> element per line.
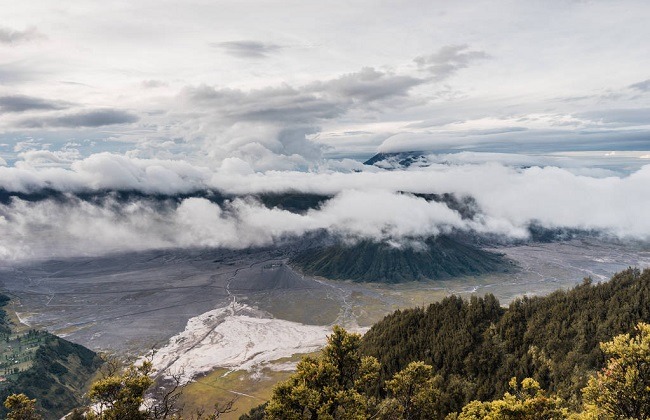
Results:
<point x="370" y="261"/>
<point x="54" y="371"/>
<point x="477" y="345"/>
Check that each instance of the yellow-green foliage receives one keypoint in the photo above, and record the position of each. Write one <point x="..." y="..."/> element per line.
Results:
<point x="525" y="402"/>
<point x="622" y="388"/>
<point x="120" y="396"/>
<point x="413" y="393"/>
<point x="339" y="385"/>
<point x="334" y="385"/>
<point x="21" y="408"/>
<point x="477" y="346"/>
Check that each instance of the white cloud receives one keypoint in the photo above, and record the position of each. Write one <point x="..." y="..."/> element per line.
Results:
<point x="365" y="205"/>
<point x="208" y="120"/>
<point x="14" y="36"/>
<point x="283" y="111"/>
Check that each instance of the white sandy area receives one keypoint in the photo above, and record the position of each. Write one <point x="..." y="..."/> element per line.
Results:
<point x="236" y="337"/>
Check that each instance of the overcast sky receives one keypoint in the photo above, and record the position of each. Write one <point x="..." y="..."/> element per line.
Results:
<point x="281" y="84"/>
<point x="246" y="96"/>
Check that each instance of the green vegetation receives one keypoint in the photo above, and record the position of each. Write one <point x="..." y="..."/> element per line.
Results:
<point x="220" y="385"/>
<point x="540" y="358"/>
<point x="338" y="385"/>
<point x="324" y="387"/>
<point x="120" y="396"/>
<point x="622" y="388"/>
<point x="462" y="359"/>
<point x="42" y="366"/>
<point x="17" y="352"/>
<point x="295" y="202"/>
<point x="477" y="346"/>
<point x="442" y="257"/>
<point x="525" y="401"/>
<point x="21" y="408"/>
<point x="130" y="393"/>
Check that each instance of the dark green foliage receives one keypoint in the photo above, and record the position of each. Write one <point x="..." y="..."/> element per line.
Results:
<point x="539" y="233"/>
<point x="465" y="206"/>
<point x="256" y="413"/>
<point x="58" y="377"/>
<point x="443" y="257"/>
<point x="5" y="328"/>
<point x="296" y="202"/>
<point x="334" y="385"/>
<point x="99" y="196"/>
<point x="477" y="346"/>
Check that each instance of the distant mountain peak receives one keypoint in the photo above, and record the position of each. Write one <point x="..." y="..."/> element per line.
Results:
<point x="398" y="160"/>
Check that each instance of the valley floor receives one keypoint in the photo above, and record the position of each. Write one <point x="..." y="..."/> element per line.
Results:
<point x="248" y="312"/>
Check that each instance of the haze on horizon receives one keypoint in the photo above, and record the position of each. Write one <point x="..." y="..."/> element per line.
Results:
<point x="540" y="111"/>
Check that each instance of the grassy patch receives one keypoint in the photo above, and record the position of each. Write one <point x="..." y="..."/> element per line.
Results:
<point x="249" y="390"/>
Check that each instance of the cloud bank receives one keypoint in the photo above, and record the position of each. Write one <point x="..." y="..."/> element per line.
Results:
<point x="369" y="204"/>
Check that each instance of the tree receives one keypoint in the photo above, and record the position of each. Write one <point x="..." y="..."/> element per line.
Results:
<point x="21" y="408"/>
<point x="622" y="388"/>
<point x="335" y="385"/>
<point x="413" y="394"/>
<point x="526" y="402"/>
<point x="120" y="396"/>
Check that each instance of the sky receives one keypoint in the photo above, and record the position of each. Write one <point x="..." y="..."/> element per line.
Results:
<point x="246" y="96"/>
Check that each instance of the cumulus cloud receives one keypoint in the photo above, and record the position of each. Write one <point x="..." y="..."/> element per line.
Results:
<point x="21" y="103"/>
<point x="50" y="158"/>
<point x="80" y="119"/>
<point x="48" y="229"/>
<point x="271" y="127"/>
<point x="247" y="48"/>
<point x="449" y="60"/>
<point x="106" y="171"/>
<point x="14" y="36"/>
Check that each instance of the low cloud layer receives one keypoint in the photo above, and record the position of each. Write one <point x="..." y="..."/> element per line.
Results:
<point x="55" y="228"/>
<point x="369" y="204"/>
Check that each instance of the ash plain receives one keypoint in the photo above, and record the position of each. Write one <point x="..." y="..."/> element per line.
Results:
<point x="128" y="303"/>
